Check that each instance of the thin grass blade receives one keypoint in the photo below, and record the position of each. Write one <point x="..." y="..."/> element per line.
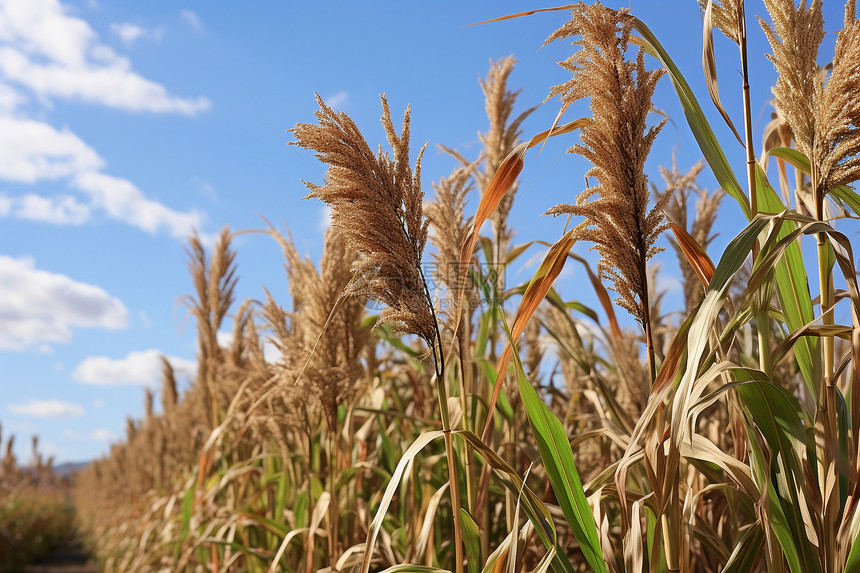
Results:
<point x="557" y="457"/>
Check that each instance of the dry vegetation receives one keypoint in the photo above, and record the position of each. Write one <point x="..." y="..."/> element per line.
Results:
<point x="421" y="439"/>
<point x="35" y="508"/>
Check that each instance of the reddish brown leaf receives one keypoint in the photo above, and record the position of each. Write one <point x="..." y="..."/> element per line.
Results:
<point x="694" y="253"/>
<point x="535" y="292"/>
<point x="502" y="181"/>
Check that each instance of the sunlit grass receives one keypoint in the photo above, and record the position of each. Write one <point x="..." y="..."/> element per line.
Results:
<point x="520" y="430"/>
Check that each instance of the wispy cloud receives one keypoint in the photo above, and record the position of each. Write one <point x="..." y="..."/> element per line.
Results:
<point x="206" y="189"/>
<point x="39" y="307"/>
<point x="10" y="98"/>
<point x="141" y="368"/>
<point x="48" y="409"/>
<point x="337" y="101"/>
<point x="130" y="33"/>
<point x="46" y="53"/>
<point x="325" y="219"/>
<point x="270" y="351"/>
<point x="59" y="210"/>
<point x="668" y="283"/>
<point x="32" y="151"/>
<point x="123" y="201"/>
<point x="99" y="435"/>
<point x="191" y="18"/>
<point x="56" y="55"/>
<point x="103" y="435"/>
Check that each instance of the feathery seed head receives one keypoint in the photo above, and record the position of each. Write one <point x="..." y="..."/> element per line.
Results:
<point x="616" y="142"/>
<point x="334" y="366"/>
<point x="376" y="203"/>
<point x="796" y="35"/>
<point x="680" y="186"/>
<point x="450" y="230"/>
<point x="837" y="136"/>
<point x="824" y="116"/>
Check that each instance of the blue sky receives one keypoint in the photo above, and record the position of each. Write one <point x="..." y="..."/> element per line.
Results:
<point x="125" y="125"/>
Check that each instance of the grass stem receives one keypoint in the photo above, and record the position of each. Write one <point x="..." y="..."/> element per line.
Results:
<point x="442" y="394"/>
<point x="827" y="393"/>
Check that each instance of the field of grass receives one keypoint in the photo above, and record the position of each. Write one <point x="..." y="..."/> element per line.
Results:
<point x="424" y="415"/>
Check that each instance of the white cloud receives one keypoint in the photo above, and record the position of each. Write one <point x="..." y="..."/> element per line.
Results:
<point x="57" y="55"/>
<point x="270" y="351"/>
<point x="224" y="338"/>
<point x="128" y="32"/>
<point x="24" y="427"/>
<point x="111" y="86"/>
<point x="191" y="18"/>
<point x="141" y="368"/>
<point x="54" y="54"/>
<point x="32" y="151"/>
<point x="103" y="435"/>
<point x="337" y="101"/>
<point x="668" y="283"/>
<point x="38" y="307"/>
<point x="325" y="219"/>
<point x="48" y="409"/>
<point x="10" y="98"/>
<point x="123" y="201"/>
<point x="59" y="210"/>
<point x="207" y="190"/>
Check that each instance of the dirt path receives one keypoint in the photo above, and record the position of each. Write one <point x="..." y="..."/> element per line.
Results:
<point x="69" y="557"/>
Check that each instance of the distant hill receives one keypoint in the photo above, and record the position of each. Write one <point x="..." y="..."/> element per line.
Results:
<point x="67" y="469"/>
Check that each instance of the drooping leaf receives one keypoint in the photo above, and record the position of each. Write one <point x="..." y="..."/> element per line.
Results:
<point x="702" y="131"/>
<point x="533" y="507"/>
<point x="792" y="287"/>
<point x="776" y="519"/>
<point x="408" y="455"/>
<point x="798" y="160"/>
<point x="709" y="66"/>
<point x="411" y="568"/>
